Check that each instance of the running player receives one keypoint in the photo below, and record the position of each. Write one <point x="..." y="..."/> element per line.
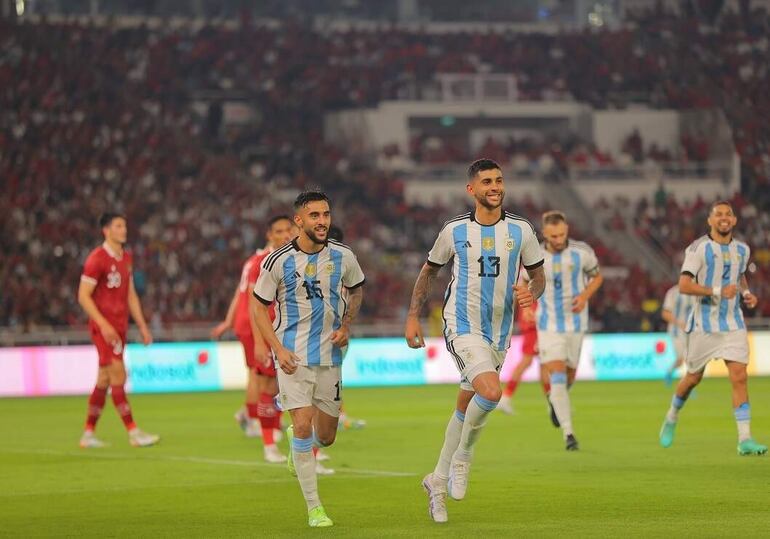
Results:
<point x="487" y="245"/>
<point x="262" y="387"/>
<point x="714" y="271"/>
<point x="107" y="295"/>
<point x="676" y="311"/>
<point x="525" y="318"/>
<point x="307" y="279"/>
<point x="573" y="276"/>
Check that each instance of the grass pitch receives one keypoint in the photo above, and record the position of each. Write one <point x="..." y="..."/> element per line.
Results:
<point x="206" y="480"/>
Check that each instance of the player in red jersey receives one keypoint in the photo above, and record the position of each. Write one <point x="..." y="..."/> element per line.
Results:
<point x="528" y="330"/>
<point x="262" y="385"/>
<point x="107" y="294"/>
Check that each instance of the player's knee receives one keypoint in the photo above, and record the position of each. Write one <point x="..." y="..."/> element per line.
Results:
<point x="738" y="376"/>
<point x="303" y="430"/>
<point x="325" y="439"/>
<point x="490" y="393"/>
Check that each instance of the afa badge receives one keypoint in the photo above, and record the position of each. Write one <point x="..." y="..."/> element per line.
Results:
<point x="557" y="268"/>
<point x="488" y="244"/>
<point x="310" y="269"/>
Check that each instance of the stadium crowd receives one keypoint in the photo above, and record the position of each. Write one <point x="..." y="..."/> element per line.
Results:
<point x="99" y="117"/>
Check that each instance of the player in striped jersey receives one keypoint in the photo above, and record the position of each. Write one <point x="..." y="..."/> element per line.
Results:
<point x="714" y="271"/>
<point x="572" y="277"/>
<point x="488" y="245"/>
<point x="676" y="311"/>
<point x="307" y="279"/>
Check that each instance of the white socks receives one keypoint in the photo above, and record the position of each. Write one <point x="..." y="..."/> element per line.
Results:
<point x="475" y="419"/>
<point x="304" y="464"/>
<point x="451" y="440"/>
<point x="559" y="398"/>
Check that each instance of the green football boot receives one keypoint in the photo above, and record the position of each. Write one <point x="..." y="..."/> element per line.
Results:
<point x="316" y="518"/>
<point x="750" y="447"/>
<point x="667" y="434"/>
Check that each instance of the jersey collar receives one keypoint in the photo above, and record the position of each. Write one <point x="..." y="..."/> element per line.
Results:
<point x="715" y="241"/>
<point x="111" y="252"/>
<point x="297" y="247"/>
<point x="473" y="217"/>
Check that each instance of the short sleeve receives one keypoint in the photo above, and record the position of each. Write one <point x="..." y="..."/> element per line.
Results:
<point x="93" y="269"/>
<point x="669" y="302"/>
<point x="531" y="253"/>
<point x="590" y="261"/>
<point x="443" y="249"/>
<point x="693" y="261"/>
<point x="266" y="286"/>
<point x="746" y="258"/>
<point x="352" y="274"/>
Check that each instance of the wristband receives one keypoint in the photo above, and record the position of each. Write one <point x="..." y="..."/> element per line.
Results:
<point x="716" y="291"/>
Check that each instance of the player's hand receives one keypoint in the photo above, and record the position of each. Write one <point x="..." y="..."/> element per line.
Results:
<point x="108" y="332"/>
<point x="287" y="360"/>
<point x="262" y="353"/>
<point x="729" y="291"/>
<point x="413" y="333"/>
<point x="579" y="303"/>
<point x="341" y="337"/>
<point x="219" y="330"/>
<point x="750" y="300"/>
<point x="682" y="326"/>
<point x="523" y="295"/>
<point x="146" y="336"/>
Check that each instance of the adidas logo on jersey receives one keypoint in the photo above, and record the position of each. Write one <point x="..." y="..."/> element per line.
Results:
<point x="467" y="245"/>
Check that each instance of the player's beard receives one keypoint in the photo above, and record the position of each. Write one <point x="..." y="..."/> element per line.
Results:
<point x="311" y="233"/>
<point x="482" y="199"/>
<point x="722" y="233"/>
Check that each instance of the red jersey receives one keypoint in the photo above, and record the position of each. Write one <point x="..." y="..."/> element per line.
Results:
<point x="249" y="276"/>
<point x="112" y="276"/>
<point x="524" y="325"/>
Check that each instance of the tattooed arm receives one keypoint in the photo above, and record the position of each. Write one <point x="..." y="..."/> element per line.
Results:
<point x="413" y="332"/>
<point x="341" y="337"/>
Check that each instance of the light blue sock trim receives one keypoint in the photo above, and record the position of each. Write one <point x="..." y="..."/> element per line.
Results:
<point x="742" y="412"/>
<point x="677" y="402"/>
<point x="460" y="416"/>
<point x="302" y="445"/>
<point x="558" y="378"/>
<point x="318" y="442"/>
<point x="484" y="404"/>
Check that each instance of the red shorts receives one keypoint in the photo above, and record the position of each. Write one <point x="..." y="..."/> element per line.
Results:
<point x="529" y="343"/>
<point x="108" y="352"/>
<point x="247" y="340"/>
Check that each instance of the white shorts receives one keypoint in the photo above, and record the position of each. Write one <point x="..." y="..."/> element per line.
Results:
<point x="473" y="355"/>
<point x="312" y="386"/>
<point x="703" y="347"/>
<point x="560" y="347"/>
<point x="680" y="344"/>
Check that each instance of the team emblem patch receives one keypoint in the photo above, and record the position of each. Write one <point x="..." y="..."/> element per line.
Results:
<point x="510" y="244"/>
<point x="488" y="244"/>
<point x="557" y="268"/>
<point x="310" y="269"/>
<point x="330" y="267"/>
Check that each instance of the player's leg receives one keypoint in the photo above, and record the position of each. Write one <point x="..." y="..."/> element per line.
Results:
<point x="96" y="403"/>
<point x="117" y="374"/>
<point x="435" y="483"/>
<point x="683" y="389"/>
<point x="559" y="397"/>
<point x="742" y="409"/>
<point x="269" y="418"/>
<point x="249" y="421"/>
<point x="545" y="379"/>
<point x="297" y="395"/>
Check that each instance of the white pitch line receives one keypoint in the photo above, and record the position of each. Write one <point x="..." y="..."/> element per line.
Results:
<point x="203" y="460"/>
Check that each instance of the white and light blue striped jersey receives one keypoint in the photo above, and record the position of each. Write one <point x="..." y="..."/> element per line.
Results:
<point x="713" y="264"/>
<point x="566" y="275"/>
<point x="480" y="298"/>
<point x="309" y="292"/>
<point x="680" y="306"/>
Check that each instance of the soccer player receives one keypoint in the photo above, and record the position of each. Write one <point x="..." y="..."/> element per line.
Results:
<point x="572" y="277"/>
<point x="107" y="295"/>
<point x="714" y="271"/>
<point x="487" y="245"/>
<point x="262" y="386"/>
<point x="307" y="278"/>
<point x="528" y="330"/>
<point x="676" y="311"/>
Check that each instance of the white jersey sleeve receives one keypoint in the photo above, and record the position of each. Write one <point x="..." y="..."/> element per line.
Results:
<point x="352" y="275"/>
<point x="693" y="260"/>
<point x="443" y="249"/>
<point x="590" y="261"/>
<point x="669" y="302"/>
<point x="266" y="288"/>
<point x="531" y="252"/>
